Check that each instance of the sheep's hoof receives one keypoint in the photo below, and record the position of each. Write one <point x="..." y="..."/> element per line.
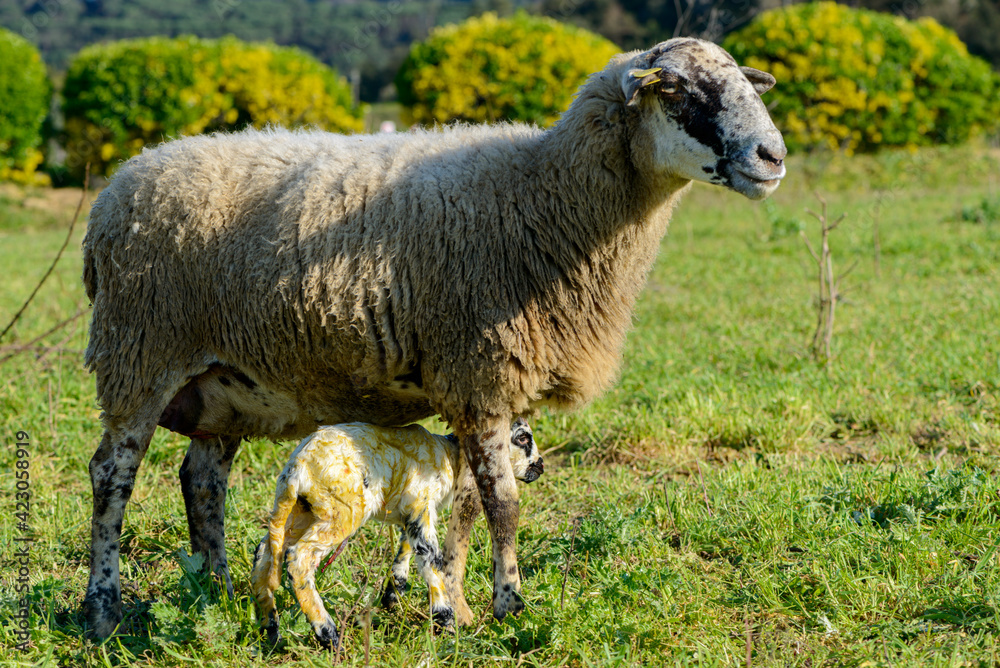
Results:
<point x="327" y="635"/>
<point x="463" y="613"/>
<point x="507" y="602"/>
<point x="103" y="612"/>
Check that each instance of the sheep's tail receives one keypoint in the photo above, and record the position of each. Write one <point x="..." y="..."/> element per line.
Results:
<point x="283" y="507"/>
<point x="89" y="278"/>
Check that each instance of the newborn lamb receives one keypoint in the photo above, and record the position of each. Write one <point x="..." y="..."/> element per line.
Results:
<point x="340" y="477"/>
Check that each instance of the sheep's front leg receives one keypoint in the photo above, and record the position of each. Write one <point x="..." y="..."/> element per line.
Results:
<point x="464" y="512"/>
<point x="487" y="450"/>
<point x="399" y="574"/>
<point x="112" y="476"/>
<point x="204" y="480"/>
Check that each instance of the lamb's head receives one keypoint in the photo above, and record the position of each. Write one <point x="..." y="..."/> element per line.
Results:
<point x="524" y="456"/>
<point x="695" y="114"/>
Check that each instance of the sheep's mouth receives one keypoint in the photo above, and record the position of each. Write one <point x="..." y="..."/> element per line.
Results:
<point x="753" y="183"/>
<point x="534" y="471"/>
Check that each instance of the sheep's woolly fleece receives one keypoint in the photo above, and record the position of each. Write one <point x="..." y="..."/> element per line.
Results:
<point x="310" y="262"/>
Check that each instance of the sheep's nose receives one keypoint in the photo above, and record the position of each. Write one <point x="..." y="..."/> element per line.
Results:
<point x="772" y="150"/>
<point x="540" y="465"/>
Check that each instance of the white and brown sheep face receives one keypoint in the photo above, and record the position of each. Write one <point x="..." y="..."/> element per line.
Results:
<point x="701" y="117"/>
<point x="524" y="456"/>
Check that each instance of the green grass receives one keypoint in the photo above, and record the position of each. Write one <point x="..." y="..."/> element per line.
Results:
<point x="729" y="493"/>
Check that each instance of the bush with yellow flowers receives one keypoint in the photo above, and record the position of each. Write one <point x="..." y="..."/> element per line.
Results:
<point x="123" y="95"/>
<point x="859" y="80"/>
<point x="523" y="68"/>
<point x="24" y="103"/>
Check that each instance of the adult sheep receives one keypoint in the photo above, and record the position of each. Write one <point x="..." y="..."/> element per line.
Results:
<point x="263" y="283"/>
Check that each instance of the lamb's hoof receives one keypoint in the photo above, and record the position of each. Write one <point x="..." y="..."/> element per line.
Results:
<point x="507" y="602"/>
<point x="443" y="620"/>
<point x="393" y="590"/>
<point x="272" y="634"/>
<point x="327" y="636"/>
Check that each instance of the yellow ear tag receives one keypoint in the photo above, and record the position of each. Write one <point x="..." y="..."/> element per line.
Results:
<point x="639" y="74"/>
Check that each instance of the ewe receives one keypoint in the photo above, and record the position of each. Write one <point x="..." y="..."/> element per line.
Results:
<point x="264" y="283"/>
<point x="339" y="478"/>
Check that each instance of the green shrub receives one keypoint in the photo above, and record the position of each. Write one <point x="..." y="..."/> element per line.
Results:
<point x="24" y="104"/>
<point x="523" y="68"/>
<point x="122" y="95"/>
<point x="860" y="80"/>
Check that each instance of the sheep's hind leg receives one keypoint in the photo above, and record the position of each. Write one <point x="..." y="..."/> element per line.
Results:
<point x="398" y="576"/>
<point x="465" y="510"/>
<point x="112" y="476"/>
<point x="204" y="479"/>
<point x="489" y="458"/>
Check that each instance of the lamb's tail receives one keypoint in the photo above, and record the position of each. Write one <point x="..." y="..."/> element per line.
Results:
<point x="284" y="504"/>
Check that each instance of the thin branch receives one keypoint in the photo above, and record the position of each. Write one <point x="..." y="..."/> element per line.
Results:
<point x="79" y="207"/>
<point x="19" y="348"/>
<point x="569" y="560"/>
<point x="704" y="490"/>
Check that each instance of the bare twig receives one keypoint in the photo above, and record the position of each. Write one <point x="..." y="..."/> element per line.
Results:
<point x="30" y="345"/>
<point x="876" y="215"/>
<point x="683" y="16"/>
<point x="829" y="282"/>
<point x="79" y="207"/>
<point x="704" y="490"/>
<point x="569" y="560"/>
<point x="746" y="623"/>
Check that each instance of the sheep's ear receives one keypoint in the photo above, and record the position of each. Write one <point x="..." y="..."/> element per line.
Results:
<point x="634" y="81"/>
<point x="762" y="81"/>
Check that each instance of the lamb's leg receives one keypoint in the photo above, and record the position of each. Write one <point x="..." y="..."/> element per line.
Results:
<point x="423" y="537"/>
<point x="204" y="480"/>
<point x="303" y="559"/>
<point x="464" y="512"/>
<point x="265" y="575"/>
<point x="397" y="584"/>
<point x="487" y="450"/>
<point x="112" y="477"/>
<point x="263" y="594"/>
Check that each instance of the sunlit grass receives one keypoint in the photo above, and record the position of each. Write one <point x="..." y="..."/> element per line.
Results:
<point x="730" y="493"/>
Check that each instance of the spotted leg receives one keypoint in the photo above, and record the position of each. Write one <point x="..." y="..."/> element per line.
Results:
<point x="422" y="536"/>
<point x="487" y="450"/>
<point x="464" y="512"/>
<point x="397" y="584"/>
<point x="204" y="480"/>
<point x="112" y="477"/>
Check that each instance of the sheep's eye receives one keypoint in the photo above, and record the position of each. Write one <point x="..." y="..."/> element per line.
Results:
<point x="670" y="88"/>
<point x="523" y="439"/>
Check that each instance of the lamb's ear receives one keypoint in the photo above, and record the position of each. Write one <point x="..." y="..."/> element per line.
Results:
<point x="633" y="81"/>
<point x="762" y="81"/>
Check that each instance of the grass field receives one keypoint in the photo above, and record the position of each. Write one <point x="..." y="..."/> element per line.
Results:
<point x="731" y="502"/>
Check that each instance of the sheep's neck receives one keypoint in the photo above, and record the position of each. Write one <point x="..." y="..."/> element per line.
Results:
<point x="599" y="225"/>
